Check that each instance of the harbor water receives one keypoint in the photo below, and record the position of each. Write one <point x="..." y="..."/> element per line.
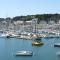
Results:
<point x="9" y="47"/>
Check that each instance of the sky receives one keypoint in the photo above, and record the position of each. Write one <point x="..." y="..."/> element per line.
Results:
<point x="12" y="8"/>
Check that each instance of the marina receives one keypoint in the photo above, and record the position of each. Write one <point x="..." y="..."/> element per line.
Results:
<point x="30" y="30"/>
<point x="28" y="40"/>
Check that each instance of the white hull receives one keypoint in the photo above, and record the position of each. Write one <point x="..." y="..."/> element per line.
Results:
<point x="24" y="53"/>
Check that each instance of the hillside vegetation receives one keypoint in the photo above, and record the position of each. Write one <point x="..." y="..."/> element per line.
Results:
<point x="44" y="17"/>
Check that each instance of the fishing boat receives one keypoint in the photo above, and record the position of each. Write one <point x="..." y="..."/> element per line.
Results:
<point x="24" y="53"/>
<point x="36" y="43"/>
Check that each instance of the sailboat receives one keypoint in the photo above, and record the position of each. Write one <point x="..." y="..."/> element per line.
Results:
<point x="35" y="36"/>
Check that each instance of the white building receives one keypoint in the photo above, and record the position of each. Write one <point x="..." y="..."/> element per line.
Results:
<point x="18" y="22"/>
<point x="43" y="22"/>
<point x="51" y="22"/>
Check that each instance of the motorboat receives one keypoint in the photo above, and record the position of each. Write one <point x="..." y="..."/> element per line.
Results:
<point x="5" y="35"/>
<point x="24" y="53"/>
<point x="57" y="45"/>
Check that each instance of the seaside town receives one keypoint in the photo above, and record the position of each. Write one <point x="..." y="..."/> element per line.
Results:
<point x="17" y="27"/>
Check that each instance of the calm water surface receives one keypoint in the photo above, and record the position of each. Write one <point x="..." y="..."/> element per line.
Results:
<point x="8" y="48"/>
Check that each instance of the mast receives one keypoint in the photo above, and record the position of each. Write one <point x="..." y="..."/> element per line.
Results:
<point x="34" y="23"/>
